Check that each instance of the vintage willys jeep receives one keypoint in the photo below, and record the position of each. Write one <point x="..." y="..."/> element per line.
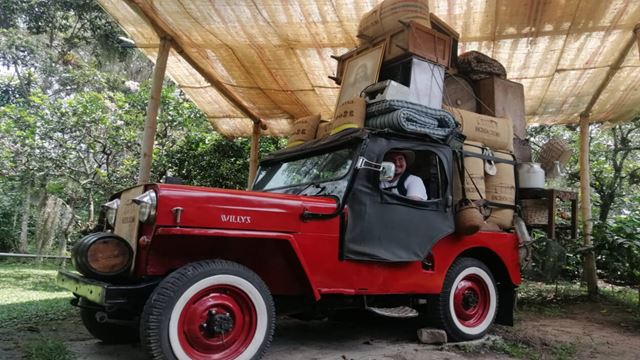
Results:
<point x="201" y="271"/>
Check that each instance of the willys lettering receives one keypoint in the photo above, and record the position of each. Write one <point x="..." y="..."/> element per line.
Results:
<point x="236" y="219"/>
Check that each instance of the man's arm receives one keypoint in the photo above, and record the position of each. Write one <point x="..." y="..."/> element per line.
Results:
<point x="415" y="188"/>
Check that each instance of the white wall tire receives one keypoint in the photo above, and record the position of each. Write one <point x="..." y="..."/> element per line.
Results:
<point x="467" y="306"/>
<point x="209" y="310"/>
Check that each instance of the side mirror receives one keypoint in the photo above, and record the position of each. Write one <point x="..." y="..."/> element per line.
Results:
<point x="387" y="169"/>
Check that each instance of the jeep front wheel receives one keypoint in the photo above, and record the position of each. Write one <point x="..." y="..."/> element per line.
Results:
<point x="467" y="305"/>
<point x="209" y="310"/>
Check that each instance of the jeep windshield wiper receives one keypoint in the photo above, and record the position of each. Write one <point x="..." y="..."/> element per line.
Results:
<point x="314" y="184"/>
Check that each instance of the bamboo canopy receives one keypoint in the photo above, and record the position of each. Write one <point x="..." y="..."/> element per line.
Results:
<point x="268" y="62"/>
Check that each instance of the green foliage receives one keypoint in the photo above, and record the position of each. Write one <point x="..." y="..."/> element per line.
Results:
<point x="618" y="248"/>
<point x="29" y="296"/>
<point x="615" y="180"/>
<point x="43" y="349"/>
<point x="208" y="159"/>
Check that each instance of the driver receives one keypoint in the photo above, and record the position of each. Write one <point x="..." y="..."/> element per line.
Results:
<point x="404" y="183"/>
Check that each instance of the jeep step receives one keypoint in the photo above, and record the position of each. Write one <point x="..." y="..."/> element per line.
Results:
<point x="395" y="312"/>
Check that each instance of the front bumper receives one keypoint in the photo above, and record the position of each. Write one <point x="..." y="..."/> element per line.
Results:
<point x="103" y="293"/>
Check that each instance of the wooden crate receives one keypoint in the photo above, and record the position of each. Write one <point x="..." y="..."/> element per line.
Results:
<point x="502" y="98"/>
<point x="442" y="27"/>
<point x="419" y="40"/>
<point x="413" y="39"/>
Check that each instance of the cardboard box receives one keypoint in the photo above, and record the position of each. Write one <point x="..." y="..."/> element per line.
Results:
<point x="350" y="114"/>
<point x="504" y="99"/>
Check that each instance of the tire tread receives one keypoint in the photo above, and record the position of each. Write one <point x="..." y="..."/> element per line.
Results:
<point x="439" y="313"/>
<point x="151" y="331"/>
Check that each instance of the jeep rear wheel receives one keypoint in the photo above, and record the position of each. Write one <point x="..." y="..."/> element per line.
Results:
<point x="209" y="310"/>
<point x="468" y="303"/>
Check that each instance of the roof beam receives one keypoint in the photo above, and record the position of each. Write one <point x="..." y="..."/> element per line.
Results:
<point x="162" y="28"/>
<point x="615" y="66"/>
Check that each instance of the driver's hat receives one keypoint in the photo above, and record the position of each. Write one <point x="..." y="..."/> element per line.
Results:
<point x="409" y="155"/>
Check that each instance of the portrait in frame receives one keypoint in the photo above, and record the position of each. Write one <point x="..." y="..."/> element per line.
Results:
<point x="360" y="71"/>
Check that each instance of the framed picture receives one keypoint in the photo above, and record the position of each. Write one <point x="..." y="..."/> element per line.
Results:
<point x="360" y="71"/>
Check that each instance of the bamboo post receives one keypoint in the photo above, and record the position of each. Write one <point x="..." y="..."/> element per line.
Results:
<point x="636" y="31"/>
<point x="585" y="207"/>
<point x="255" y="148"/>
<point x="151" y="121"/>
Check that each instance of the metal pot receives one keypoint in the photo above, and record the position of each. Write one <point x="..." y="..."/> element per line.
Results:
<point x="530" y="175"/>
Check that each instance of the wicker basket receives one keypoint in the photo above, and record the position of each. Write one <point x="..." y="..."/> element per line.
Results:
<point x="554" y="150"/>
<point x="535" y="212"/>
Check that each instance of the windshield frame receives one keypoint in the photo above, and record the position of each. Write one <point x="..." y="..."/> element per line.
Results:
<point x="357" y="149"/>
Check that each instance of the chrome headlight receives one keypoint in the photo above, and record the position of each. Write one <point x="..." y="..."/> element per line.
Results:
<point x="102" y="255"/>
<point x="111" y="209"/>
<point x="147" y="202"/>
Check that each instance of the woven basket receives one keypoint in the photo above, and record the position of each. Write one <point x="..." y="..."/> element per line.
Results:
<point x="535" y="212"/>
<point x="554" y="150"/>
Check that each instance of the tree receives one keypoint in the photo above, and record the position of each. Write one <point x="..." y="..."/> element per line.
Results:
<point x="615" y="170"/>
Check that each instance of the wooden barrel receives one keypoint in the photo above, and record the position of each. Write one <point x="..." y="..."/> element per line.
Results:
<point x="458" y="93"/>
<point x="385" y="17"/>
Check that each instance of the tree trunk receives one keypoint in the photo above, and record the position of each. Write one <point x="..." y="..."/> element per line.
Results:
<point x="67" y="221"/>
<point x="91" y="211"/>
<point x="605" y="207"/>
<point x="46" y="218"/>
<point x="40" y="219"/>
<point x="24" y="228"/>
<point x="53" y="225"/>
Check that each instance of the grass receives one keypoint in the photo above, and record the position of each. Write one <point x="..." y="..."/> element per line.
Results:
<point x="47" y="350"/>
<point x="519" y="350"/>
<point x="550" y="299"/>
<point x="29" y="296"/>
<point x="559" y="351"/>
<point x="553" y="300"/>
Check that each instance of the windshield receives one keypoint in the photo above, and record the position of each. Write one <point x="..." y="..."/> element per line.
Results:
<point x="307" y="172"/>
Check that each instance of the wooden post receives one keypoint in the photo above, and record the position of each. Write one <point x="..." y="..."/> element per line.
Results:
<point x="255" y="149"/>
<point x="636" y="32"/>
<point x="151" y="121"/>
<point x="585" y="206"/>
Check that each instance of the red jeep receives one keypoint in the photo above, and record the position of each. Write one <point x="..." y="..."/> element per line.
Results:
<point x="199" y="273"/>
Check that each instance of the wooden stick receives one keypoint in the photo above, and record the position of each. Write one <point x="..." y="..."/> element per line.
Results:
<point x="585" y="206"/>
<point x="636" y="31"/>
<point x="151" y="122"/>
<point x="255" y="150"/>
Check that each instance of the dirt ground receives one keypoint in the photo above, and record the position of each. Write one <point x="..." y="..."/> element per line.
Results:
<point x="580" y="331"/>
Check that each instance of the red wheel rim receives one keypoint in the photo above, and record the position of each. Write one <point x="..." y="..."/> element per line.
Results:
<point x="471" y="300"/>
<point x="231" y="311"/>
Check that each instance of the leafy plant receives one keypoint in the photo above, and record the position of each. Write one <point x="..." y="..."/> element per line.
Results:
<point x="43" y="349"/>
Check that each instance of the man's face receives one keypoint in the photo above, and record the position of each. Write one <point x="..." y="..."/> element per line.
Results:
<point x="399" y="161"/>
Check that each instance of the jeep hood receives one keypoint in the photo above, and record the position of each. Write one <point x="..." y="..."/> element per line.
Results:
<point x="235" y="209"/>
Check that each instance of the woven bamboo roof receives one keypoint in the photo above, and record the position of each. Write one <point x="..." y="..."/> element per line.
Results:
<point x="273" y="58"/>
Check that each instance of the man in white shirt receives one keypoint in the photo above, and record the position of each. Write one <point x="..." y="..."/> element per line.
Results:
<point x="404" y="183"/>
